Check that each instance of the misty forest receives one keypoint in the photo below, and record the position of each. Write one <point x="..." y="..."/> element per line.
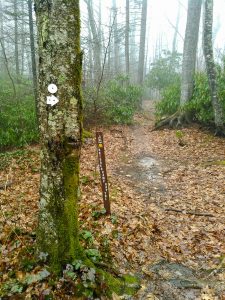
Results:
<point x="112" y="149"/>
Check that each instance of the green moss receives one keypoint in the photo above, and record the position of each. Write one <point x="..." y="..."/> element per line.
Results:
<point x="87" y="134"/>
<point x="62" y="79"/>
<point x="45" y="28"/>
<point x="63" y="207"/>
<point x="71" y="181"/>
<point x="130" y="279"/>
<point x="126" y="285"/>
<point x="214" y="163"/>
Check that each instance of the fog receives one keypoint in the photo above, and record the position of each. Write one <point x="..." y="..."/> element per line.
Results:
<point x="161" y="22"/>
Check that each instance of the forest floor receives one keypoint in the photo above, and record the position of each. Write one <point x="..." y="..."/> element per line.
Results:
<point x="168" y="211"/>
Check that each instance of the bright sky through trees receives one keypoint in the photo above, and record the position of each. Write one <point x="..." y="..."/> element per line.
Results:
<point x="162" y="16"/>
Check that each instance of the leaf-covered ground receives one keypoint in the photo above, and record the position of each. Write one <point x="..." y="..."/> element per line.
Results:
<point x="167" y="200"/>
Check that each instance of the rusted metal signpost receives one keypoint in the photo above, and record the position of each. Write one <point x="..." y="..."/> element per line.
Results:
<point x="102" y="169"/>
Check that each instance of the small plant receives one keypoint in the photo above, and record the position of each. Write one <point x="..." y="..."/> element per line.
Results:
<point x="170" y="101"/>
<point x="98" y="213"/>
<point x="114" y="219"/>
<point x="11" y="287"/>
<point x="180" y="137"/>
<point x="85" y="180"/>
<point x="117" y="102"/>
<point x="93" y="254"/>
<point x="86" y="236"/>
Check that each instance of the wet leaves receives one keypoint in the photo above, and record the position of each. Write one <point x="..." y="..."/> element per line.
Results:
<point x="140" y="231"/>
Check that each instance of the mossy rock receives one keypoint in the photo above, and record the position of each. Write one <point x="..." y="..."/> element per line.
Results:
<point x="125" y="285"/>
<point x="104" y="283"/>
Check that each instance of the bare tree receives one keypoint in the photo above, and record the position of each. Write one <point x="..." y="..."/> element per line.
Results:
<point x="23" y="37"/>
<point x="115" y="38"/>
<point x="176" y="29"/>
<point x="141" y="60"/>
<point x="127" y="38"/>
<point x="188" y="65"/>
<point x="210" y="66"/>
<point x="2" y="37"/>
<point x="32" y="48"/>
<point x="16" y="40"/>
<point x="190" y="50"/>
<point x="95" y="39"/>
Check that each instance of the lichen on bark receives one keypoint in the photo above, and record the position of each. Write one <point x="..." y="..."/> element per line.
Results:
<point x="60" y="57"/>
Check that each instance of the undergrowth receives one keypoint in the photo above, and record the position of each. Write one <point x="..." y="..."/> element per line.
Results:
<point x="18" y="125"/>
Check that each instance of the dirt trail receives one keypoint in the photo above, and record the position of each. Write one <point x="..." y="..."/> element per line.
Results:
<point x="159" y="194"/>
<point x="176" y="189"/>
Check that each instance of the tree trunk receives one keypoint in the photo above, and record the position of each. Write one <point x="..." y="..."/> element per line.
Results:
<point x="109" y="62"/>
<point x="141" y="61"/>
<point x="2" y="64"/>
<point x="127" y="37"/>
<point x="90" y="56"/>
<point x="115" y="38"/>
<point x="23" y="38"/>
<point x="60" y="60"/>
<point x="96" y="41"/>
<point x="210" y="65"/>
<point x="33" y="57"/>
<point x="190" y="50"/>
<point x="176" y="29"/>
<point x="16" y="50"/>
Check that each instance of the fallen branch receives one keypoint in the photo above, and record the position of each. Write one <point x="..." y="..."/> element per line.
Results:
<point x="189" y="212"/>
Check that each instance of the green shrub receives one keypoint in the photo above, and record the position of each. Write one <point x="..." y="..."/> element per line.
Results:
<point x="200" y="106"/>
<point x="170" y="101"/>
<point x="18" y="125"/>
<point x="165" y="71"/>
<point x="123" y="100"/>
<point x="116" y="104"/>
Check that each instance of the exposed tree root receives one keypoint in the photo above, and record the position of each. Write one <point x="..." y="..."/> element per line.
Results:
<point x="177" y="120"/>
<point x="220" y="131"/>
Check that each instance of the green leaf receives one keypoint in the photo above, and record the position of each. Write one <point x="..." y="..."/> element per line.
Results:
<point x="93" y="254"/>
<point x="32" y="278"/>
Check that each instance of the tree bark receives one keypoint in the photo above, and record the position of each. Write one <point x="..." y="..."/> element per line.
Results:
<point x="33" y="56"/>
<point x="23" y="38"/>
<point x="176" y="29"/>
<point x="2" y="64"/>
<point x="90" y="56"/>
<point x="60" y="60"/>
<point x="96" y="41"/>
<point x="115" y="38"/>
<point x="7" y="68"/>
<point x="127" y="38"/>
<point x="190" y="50"/>
<point x="16" y="50"/>
<point x="141" y="61"/>
<point x="210" y="65"/>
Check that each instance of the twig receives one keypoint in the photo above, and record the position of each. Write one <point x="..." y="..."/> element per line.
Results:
<point x="189" y="212"/>
<point x="5" y="185"/>
<point x="103" y="66"/>
<point x="175" y="29"/>
<point x="7" y="66"/>
<point x="218" y="268"/>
